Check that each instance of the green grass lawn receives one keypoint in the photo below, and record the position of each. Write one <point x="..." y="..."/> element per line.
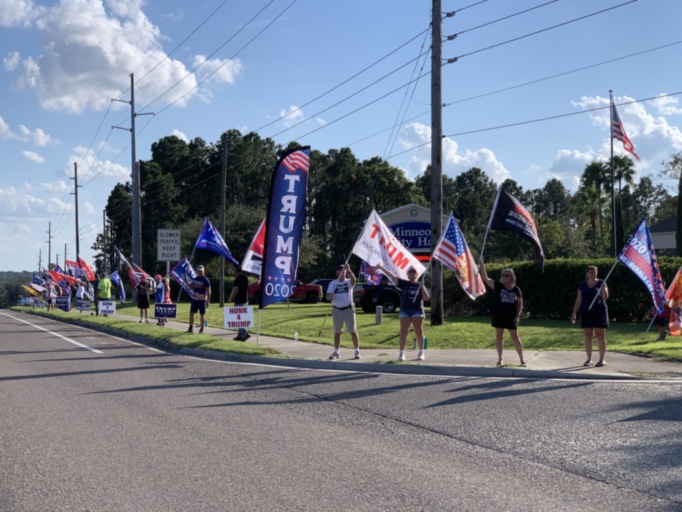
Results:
<point x="314" y="324"/>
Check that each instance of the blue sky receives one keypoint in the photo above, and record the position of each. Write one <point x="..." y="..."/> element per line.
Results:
<point x="208" y="66"/>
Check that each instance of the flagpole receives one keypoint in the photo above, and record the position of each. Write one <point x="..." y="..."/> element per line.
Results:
<point x="490" y="222"/>
<point x="613" y="187"/>
<point x="599" y="289"/>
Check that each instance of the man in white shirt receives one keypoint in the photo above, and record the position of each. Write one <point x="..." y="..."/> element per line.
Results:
<point x="340" y="294"/>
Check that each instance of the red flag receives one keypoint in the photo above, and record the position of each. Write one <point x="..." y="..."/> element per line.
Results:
<point x="87" y="269"/>
<point x="618" y="132"/>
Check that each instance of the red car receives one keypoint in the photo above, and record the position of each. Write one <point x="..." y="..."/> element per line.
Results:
<point x="310" y="293"/>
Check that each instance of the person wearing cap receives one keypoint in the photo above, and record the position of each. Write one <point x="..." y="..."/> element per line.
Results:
<point x="239" y="296"/>
<point x="413" y="293"/>
<point x="158" y="296"/>
<point x="201" y="287"/>
<point x="80" y="292"/>
<point x="340" y="294"/>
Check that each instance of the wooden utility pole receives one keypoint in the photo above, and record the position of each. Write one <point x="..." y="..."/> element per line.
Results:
<point x="49" y="244"/>
<point x="436" y="164"/>
<point x="222" y="220"/>
<point x="75" y="193"/>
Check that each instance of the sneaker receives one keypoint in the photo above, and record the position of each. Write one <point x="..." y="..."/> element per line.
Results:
<point x="190" y="330"/>
<point x="357" y="353"/>
<point x="335" y="355"/>
<point x="401" y="355"/>
<point x="246" y="336"/>
<point x="201" y="331"/>
<point x="420" y="356"/>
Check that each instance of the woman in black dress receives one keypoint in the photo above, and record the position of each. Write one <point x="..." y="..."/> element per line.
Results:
<point x="595" y="319"/>
<point x="143" y="290"/>
<point x="507" y="308"/>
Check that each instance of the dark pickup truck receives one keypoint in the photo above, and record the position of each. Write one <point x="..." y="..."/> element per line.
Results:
<point x="369" y="296"/>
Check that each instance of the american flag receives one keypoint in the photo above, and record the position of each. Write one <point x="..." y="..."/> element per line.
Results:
<point x="297" y="160"/>
<point x="453" y="252"/>
<point x="618" y="132"/>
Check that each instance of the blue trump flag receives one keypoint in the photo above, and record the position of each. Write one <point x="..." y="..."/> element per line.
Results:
<point x="210" y="239"/>
<point x="639" y="256"/>
<point x="115" y="278"/>
<point x="284" y="226"/>
<point x="182" y="272"/>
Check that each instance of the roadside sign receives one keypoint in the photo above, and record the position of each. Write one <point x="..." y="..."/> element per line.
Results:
<point x="168" y="245"/>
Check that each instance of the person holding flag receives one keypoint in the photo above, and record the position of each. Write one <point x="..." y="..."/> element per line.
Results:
<point x="340" y="294"/>
<point x="590" y="303"/>
<point x="201" y="297"/>
<point x="507" y="308"/>
<point x="413" y="295"/>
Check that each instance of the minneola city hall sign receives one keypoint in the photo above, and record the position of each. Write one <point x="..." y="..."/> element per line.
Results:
<point x="411" y="224"/>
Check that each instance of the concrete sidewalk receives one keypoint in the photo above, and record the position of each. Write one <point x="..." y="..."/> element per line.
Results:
<point x="540" y="364"/>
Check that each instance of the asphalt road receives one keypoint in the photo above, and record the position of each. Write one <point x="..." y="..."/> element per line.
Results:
<point x="109" y="425"/>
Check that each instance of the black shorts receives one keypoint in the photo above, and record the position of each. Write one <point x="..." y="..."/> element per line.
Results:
<point x="198" y="306"/>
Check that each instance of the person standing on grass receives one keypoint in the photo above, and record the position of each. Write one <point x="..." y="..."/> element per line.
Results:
<point x="143" y="290"/>
<point x="202" y="298"/>
<point x="595" y="320"/>
<point x="240" y="297"/>
<point x="159" y="294"/>
<point x="103" y="290"/>
<point x="507" y="308"/>
<point x="413" y="293"/>
<point x="340" y="294"/>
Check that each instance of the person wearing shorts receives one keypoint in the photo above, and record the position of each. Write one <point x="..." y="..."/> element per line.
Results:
<point x="340" y="294"/>
<point x="413" y="293"/>
<point x="507" y="308"/>
<point x="202" y="297"/>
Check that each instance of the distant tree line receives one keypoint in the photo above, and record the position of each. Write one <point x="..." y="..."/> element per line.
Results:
<point x="181" y="185"/>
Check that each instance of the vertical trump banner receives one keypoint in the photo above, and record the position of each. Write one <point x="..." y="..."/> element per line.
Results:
<point x="284" y="226"/>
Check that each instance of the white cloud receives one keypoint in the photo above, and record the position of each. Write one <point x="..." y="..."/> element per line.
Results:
<point x="5" y="131"/>
<point x="89" y="167"/>
<point x="33" y="157"/>
<point x="666" y="105"/>
<point x="180" y="135"/>
<point x="38" y="137"/>
<point x="17" y="12"/>
<point x="219" y="70"/>
<point x="292" y="116"/>
<point x="11" y="62"/>
<point x="88" y="53"/>
<point x="455" y="160"/>
<point x="16" y="204"/>
<point x="568" y="166"/>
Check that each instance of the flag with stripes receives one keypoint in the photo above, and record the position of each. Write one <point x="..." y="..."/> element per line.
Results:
<point x="618" y="132"/>
<point x="640" y="257"/>
<point x="453" y="252"/>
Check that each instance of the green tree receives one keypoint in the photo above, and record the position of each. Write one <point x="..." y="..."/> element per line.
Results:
<point x="673" y="168"/>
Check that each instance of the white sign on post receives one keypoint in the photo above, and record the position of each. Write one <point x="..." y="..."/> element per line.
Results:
<point x="168" y="245"/>
<point x="238" y="316"/>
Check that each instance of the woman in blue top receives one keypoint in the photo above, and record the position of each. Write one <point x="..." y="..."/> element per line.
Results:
<point x="594" y="318"/>
<point x="414" y="293"/>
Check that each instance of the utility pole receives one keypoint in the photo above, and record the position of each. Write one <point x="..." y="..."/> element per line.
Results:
<point x="49" y="244"/>
<point x="65" y="257"/>
<point x="75" y="193"/>
<point x="104" y="241"/>
<point x="436" y="164"/>
<point x="222" y="221"/>
<point x="135" y="177"/>
<point x="40" y="261"/>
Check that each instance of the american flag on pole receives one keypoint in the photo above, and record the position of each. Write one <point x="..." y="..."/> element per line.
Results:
<point x="618" y="132"/>
<point x="453" y="252"/>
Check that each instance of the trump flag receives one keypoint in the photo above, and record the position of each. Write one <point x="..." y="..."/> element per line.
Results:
<point x="284" y="226"/>
<point x="210" y="239"/>
<point x="639" y="256"/>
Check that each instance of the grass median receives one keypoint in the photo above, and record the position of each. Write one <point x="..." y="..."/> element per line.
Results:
<point x="313" y="324"/>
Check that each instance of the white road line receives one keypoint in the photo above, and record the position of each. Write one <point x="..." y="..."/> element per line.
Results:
<point x="54" y="334"/>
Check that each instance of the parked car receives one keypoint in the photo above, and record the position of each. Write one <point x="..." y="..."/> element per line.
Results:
<point x="369" y="296"/>
<point x="324" y="283"/>
<point x="310" y="293"/>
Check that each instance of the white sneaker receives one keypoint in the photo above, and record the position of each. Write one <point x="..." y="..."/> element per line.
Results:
<point x="401" y="355"/>
<point x="420" y="356"/>
<point x="335" y="355"/>
<point x="357" y="353"/>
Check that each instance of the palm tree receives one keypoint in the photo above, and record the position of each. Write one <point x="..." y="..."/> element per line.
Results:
<point x="597" y="175"/>
<point x="589" y="204"/>
<point x="623" y="169"/>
